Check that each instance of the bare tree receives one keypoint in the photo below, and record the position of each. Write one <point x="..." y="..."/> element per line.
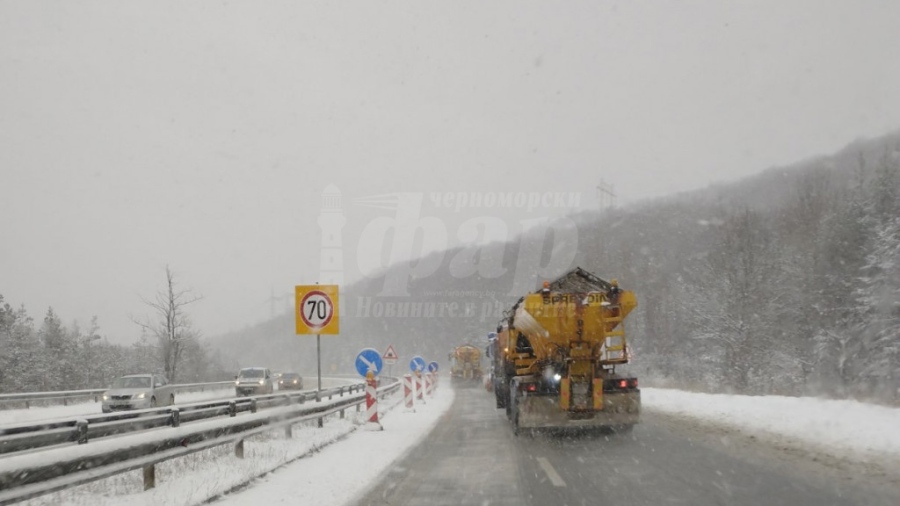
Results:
<point x="170" y="323"/>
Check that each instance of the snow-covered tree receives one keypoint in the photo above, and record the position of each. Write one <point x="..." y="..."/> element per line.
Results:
<point x="170" y="326"/>
<point x="880" y="290"/>
<point x="22" y="367"/>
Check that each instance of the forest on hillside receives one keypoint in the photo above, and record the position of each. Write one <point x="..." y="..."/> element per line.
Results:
<point x="51" y="356"/>
<point x="787" y="282"/>
<point x="794" y="290"/>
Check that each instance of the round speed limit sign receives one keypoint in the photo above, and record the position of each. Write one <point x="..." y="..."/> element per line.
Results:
<point x="316" y="309"/>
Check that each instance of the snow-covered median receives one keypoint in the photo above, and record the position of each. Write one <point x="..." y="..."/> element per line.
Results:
<point x="850" y="428"/>
<point x="85" y="408"/>
<point x="338" y="462"/>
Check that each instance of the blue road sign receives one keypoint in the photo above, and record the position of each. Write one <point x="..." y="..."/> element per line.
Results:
<point x="432" y="367"/>
<point x="369" y="359"/>
<point x="417" y="364"/>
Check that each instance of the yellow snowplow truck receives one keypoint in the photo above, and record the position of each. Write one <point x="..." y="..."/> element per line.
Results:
<point x="465" y="366"/>
<point x="555" y="355"/>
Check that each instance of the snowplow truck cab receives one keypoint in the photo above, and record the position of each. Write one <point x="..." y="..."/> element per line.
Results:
<point x="556" y="354"/>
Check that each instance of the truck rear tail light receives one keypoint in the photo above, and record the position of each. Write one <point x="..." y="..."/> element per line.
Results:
<point x="619" y="384"/>
<point x="531" y="387"/>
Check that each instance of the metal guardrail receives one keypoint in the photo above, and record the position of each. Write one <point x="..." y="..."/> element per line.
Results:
<point x="33" y="474"/>
<point x="28" y="397"/>
<point x="20" y="437"/>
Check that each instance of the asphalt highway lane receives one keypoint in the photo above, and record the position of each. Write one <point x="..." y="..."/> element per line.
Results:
<point x="472" y="457"/>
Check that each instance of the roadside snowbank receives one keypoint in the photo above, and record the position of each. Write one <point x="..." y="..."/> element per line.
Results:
<point x="847" y="427"/>
<point x="340" y="473"/>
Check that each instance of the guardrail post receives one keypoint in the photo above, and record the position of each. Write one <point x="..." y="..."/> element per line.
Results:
<point x="253" y="405"/>
<point x="342" y="394"/>
<point x="342" y="414"/>
<point x="175" y="418"/>
<point x="65" y="401"/>
<point x="27" y="405"/>
<point x="81" y="429"/>
<point x="239" y="449"/>
<point x="329" y="395"/>
<point x="232" y="409"/>
<point x="321" y="422"/>
<point x="288" y="431"/>
<point x="149" y="477"/>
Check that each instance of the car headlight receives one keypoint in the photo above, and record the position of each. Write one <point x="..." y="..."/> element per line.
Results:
<point x="295" y="382"/>
<point x="237" y="382"/>
<point x="105" y="397"/>
<point x="140" y="395"/>
<point x="262" y="382"/>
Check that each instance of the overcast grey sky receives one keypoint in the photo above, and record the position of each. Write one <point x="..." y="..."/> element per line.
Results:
<point x="201" y="134"/>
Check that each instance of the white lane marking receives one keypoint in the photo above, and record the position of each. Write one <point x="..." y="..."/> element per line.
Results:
<point x="555" y="478"/>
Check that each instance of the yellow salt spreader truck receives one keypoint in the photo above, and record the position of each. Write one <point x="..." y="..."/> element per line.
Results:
<point x="555" y="355"/>
<point x="465" y="366"/>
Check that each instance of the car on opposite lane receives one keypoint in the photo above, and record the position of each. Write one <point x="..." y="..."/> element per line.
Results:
<point x="253" y="381"/>
<point x="138" y="391"/>
<point x="290" y="381"/>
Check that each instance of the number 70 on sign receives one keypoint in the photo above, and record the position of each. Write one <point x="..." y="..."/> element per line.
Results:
<point x="316" y="309"/>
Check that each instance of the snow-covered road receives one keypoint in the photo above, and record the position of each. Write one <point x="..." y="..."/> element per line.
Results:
<point x="339" y="464"/>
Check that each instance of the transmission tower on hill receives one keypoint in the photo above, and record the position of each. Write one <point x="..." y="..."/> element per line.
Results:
<point x="606" y="195"/>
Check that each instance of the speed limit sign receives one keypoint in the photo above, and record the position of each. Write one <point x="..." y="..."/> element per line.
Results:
<point x="316" y="309"/>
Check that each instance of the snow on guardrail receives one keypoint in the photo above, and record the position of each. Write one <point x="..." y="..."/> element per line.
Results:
<point x="34" y="474"/>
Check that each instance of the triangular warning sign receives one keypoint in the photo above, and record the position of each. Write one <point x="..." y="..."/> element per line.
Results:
<point x="390" y="353"/>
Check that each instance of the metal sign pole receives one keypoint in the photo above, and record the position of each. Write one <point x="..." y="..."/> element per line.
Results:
<point x="319" y="366"/>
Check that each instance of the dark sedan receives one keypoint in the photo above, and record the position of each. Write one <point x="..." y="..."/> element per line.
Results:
<point x="290" y="381"/>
